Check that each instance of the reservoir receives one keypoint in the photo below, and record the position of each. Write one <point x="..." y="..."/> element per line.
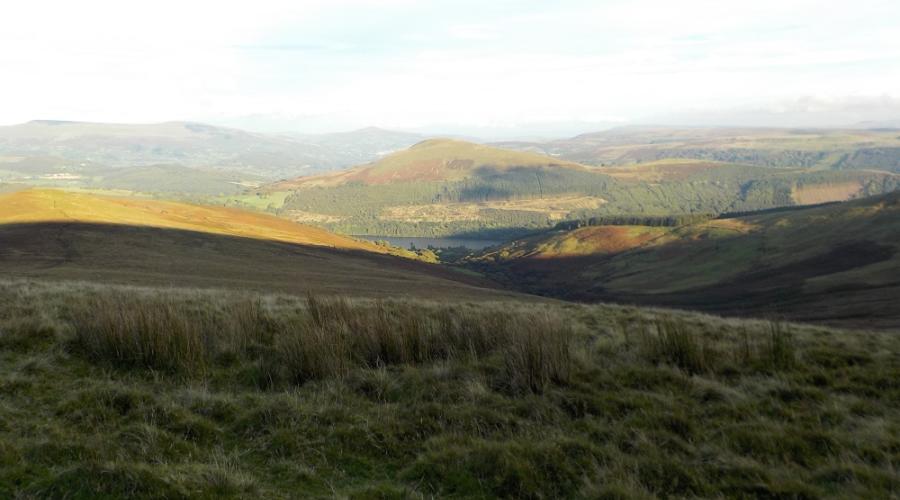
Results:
<point x="422" y="243"/>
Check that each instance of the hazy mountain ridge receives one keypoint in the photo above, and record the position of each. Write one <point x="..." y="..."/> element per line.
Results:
<point x="768" y="147"/>
<point x="192" y="144"/>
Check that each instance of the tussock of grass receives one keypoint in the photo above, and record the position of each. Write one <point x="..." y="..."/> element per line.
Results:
<point x="675" y="344"/>
<point x="680" y="344"/>
<point x="142" y="334"/>
<point x="146" y="393"/>
<point x="324" y="338"/>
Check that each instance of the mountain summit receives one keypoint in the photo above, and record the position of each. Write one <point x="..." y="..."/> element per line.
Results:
<point x="432" y="160"/>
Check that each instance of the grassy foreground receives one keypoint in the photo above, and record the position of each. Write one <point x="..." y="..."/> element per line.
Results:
<point x="112" y="391"/>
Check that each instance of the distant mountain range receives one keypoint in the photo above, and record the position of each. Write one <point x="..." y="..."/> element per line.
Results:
<point x="766" y="147"/>
<point x="190" y="144"/>
<point x="408" y="185"/>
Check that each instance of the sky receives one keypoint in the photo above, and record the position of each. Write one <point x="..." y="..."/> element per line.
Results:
<point x="318" y="66"/>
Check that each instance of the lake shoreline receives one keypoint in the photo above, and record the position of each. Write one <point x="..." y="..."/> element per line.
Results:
<point x="422" y="242"/>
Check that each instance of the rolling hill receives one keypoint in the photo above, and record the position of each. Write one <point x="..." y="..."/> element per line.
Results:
<point x="76" y="145"/>
<point x="764" y="147"/>
<point x="441" y="187"/>
<point x="454" y="188"/>
<point x="46" y="205"/>
<point x="431" y="160"/>
<point x="837" y="263"/>
<point x="170" y="179"/>
<point x="59" y="235"/>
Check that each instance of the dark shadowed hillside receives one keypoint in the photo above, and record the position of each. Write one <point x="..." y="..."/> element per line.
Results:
<point x="838" y="263"/>
<point x="66" y="236"/>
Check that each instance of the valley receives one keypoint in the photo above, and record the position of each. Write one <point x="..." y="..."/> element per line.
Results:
<point x="452" y="188"/>
<point x="450" y="319"/>
<point x="409" y="250"/>
<point x="683" y="231"/>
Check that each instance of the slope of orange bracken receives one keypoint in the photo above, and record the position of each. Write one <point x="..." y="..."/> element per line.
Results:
<point x="49" y="205"/>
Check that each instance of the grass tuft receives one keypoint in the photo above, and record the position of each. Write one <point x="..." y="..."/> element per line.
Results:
<point x="676" y="344"/>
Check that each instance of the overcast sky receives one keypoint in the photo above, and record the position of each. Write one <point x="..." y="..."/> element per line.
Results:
<point x="341" y="64"/>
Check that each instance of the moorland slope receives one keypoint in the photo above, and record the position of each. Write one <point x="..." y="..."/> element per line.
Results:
<point x="237" y="395"/>
<point x="837" y="263"/>
<point x="60" y="235"/>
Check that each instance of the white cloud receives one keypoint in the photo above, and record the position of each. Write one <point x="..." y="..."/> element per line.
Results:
<point x="407" y="63"/>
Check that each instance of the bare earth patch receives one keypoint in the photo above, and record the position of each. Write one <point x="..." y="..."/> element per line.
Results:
<point x="824" y="193"/>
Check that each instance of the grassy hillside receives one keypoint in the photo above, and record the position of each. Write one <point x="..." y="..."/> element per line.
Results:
<point x="431" y="160"/>
<point x="45" y="205"/>
<point x="442" y="187"/>
<point x="72" y="236"/>
<point x="168" y="180"/>
<point x="838" y="263"/>
<point x="230" y="395"/>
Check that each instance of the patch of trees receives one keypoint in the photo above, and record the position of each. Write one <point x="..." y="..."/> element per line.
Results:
<point x="729" y="189"/>
<point x="635" y="220"/>
<point x="878" y="158"/>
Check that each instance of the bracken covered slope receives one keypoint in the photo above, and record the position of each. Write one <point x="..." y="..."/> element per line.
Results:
<point x="58" y="235"/>
<point x="838" y="263"/>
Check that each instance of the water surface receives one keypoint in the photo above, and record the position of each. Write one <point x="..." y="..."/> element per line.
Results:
<point x="421" y="243"/>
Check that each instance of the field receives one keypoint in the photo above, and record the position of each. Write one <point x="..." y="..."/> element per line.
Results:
<point x="231" y="394"/>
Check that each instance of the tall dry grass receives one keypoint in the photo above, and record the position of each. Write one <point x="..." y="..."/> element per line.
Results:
<point x="694" y="350"/>
<point x="154" y="334"/>
<point x="326" y="337"/>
